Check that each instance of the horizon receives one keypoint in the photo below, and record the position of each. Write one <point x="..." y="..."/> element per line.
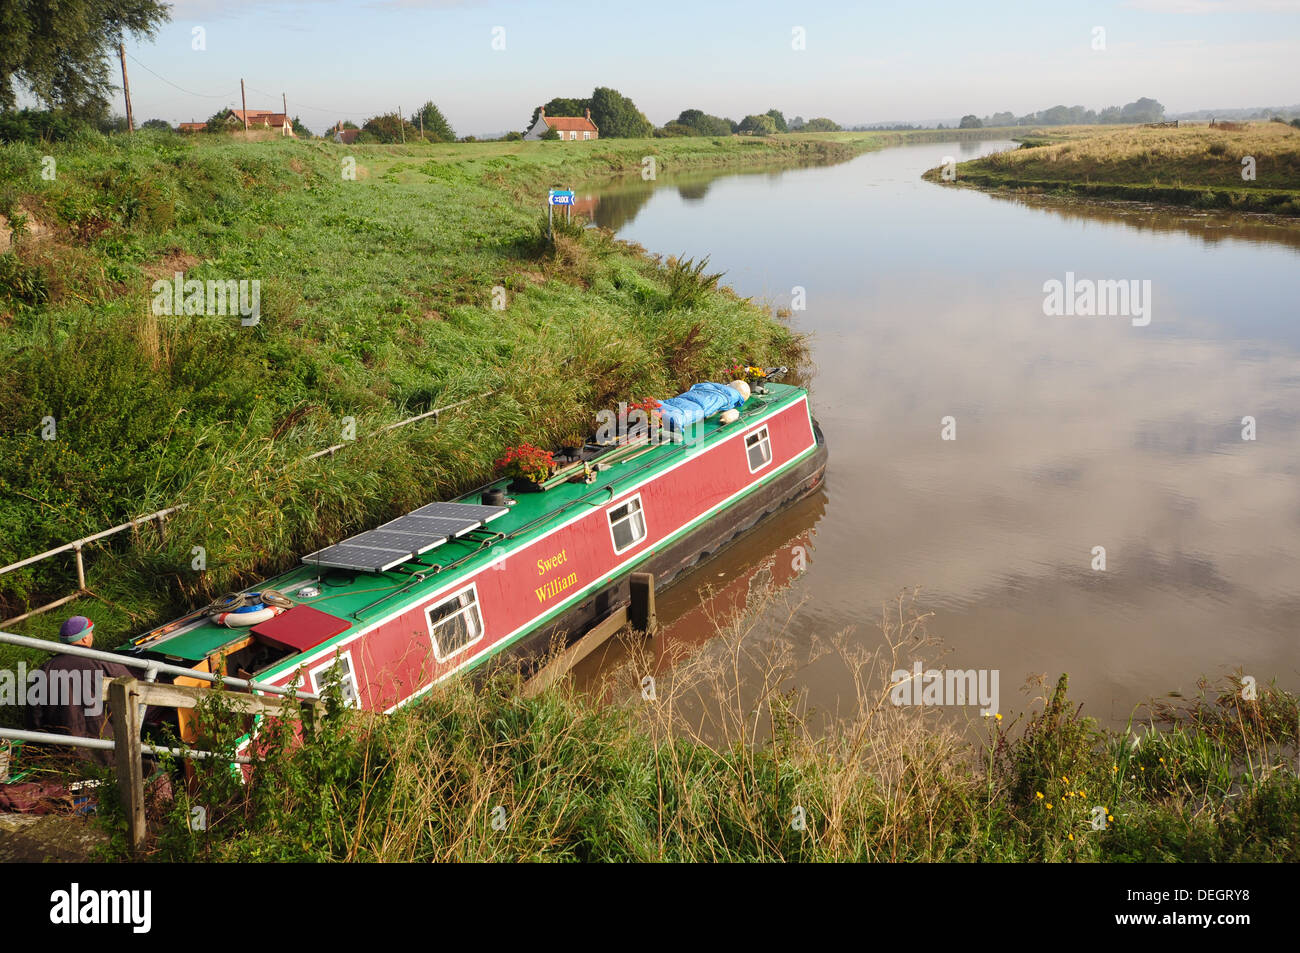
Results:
<point x="498" y="61"/>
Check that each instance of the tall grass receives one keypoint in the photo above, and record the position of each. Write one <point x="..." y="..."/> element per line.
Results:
<point x="721" y="760"/>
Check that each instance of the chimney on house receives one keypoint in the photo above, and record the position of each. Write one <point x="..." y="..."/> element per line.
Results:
<point x="588" y="115"/>
<point x="542" y="111"/>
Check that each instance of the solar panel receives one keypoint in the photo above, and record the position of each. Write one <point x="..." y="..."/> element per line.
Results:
<point x="402" y="539"/>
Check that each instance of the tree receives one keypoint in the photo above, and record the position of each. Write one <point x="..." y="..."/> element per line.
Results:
<point x="550" y="135"/>
<point x="779" y="120"/>
<point x="1002" y="119"/>
<point x="389" y="128"/>
<point x="162" y="125"/>
<point x="970" y="122"/>
<point x="436" y="127"/>
<point x="300" y="130"/>
<point x="821" y="124"/>
<point x="512" y="136"/>
<point x="219" y="121"/>
<point x="758" y="125"/>
<point x="705" y="125"/>
<point x="797" y="124"/>
<point x="616" y="116"/>
<point x="562" y="107"/>
<point x="59" y="52"/>
<point x="1142" y="110"/>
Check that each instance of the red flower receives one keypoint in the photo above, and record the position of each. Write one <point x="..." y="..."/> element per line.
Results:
<point x="527" y="461"/>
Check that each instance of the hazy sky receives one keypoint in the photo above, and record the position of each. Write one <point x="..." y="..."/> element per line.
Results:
<point x="350" y="59"/>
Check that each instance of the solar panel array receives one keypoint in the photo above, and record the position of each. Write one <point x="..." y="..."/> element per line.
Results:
<point x="406" y="537"/>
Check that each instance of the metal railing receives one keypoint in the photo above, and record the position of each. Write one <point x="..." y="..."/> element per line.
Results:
<point x="161" y="515"/>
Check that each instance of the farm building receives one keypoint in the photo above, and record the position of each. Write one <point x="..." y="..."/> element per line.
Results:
<point x="569" y="127"/>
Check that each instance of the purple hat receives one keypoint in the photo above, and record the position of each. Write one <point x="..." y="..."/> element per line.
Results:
<point x="75" y="629"/>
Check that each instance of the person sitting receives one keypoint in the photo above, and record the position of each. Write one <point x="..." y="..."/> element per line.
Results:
<point x="86" y="716"/>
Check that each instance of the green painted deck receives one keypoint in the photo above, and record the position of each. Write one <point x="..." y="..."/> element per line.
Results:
<point x="345" y="593"/>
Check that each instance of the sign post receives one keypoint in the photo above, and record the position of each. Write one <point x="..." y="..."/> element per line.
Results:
<point x="558" y="197"/>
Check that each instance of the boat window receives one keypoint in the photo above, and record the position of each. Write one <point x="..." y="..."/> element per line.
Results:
<point x="759" y="449"/>
<point x="347" y="681"/>
<point x="627" y="524"/>
<point x="455" y="624"/>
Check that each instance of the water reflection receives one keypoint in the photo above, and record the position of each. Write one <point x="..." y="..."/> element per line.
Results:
<point x="925" y="302"/>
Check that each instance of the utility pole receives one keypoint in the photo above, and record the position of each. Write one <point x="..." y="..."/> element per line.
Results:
<point x="421" y="115"/>
<point x="244" y="102"/>
<point x="126" y="87"/>
<point x="401" y="123"/>
<point x="286" y="113"/>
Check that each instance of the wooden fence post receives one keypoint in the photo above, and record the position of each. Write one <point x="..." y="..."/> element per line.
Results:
<point x="123" y="699"/>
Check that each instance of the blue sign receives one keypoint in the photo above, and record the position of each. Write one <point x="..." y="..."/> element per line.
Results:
<point x="561" y="197"/>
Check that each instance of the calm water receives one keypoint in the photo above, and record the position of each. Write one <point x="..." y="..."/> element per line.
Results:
<point x="1071" y="432"/>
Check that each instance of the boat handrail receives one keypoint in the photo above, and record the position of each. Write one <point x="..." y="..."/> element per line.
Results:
<point x="152" y="668"/>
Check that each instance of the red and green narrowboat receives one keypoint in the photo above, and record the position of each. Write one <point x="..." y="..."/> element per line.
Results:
<point x="495" y="574"/>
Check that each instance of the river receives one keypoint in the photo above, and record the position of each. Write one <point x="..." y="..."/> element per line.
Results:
<point x="925" y="303"/>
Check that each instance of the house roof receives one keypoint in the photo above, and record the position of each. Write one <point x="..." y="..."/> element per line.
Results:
<point x="569" y="123"/>
<point x="260" y="116"/>
<point x="193" y="126"/>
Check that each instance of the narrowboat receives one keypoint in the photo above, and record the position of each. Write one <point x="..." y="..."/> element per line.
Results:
<point x="496" y="573"/>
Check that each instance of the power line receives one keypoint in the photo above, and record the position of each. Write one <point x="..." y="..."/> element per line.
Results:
<point x="188" y="92"/>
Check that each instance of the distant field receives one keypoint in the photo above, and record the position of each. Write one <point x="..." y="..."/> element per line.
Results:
<point x="1191" y="165"/>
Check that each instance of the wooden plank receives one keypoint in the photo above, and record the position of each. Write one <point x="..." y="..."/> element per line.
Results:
<point x="124" y="701"/>
<point x="183" y="696"/>
<point x="564" y="663"/>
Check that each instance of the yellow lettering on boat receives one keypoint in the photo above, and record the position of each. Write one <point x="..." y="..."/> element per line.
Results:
<point x="556" y="586"/>
<point x="546" y="565"/>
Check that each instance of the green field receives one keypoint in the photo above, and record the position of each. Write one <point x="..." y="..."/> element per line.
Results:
<point x="1191" y="165"/>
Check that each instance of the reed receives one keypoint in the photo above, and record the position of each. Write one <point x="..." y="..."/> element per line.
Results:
<point x="724" y="761"/>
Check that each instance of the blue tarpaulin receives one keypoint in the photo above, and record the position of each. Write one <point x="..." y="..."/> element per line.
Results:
<point x="702" y="400"/>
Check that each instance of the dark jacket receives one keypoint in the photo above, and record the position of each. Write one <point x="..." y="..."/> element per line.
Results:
<point x="89" y="718"/>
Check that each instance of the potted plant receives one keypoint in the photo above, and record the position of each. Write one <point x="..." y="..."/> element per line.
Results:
<point x="530" y="466"/>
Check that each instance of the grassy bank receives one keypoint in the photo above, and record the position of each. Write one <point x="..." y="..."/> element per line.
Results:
<point x="1192" y="165"/>
<point x="476" y="772"/>
<point x="376" y="304"/>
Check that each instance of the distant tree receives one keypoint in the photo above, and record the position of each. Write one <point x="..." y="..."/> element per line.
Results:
<point x="60" y="52"/>
<point x="469" y="139"/>
<point x="705" y="125"/>
<point x="797" y="123"/>
<point x="512" y="136"/>
<point x="561" y="107"/>
<point x="111" y="124"/>
<point x="675" y="128"/>
<point x="219" y="121"/>
<point x="1142" y="110"/>
<point x="1002" y="119"/>
<point x="821" y="124"/>
<point x="436" y="127"/>
<point x="550" y="135"/>
<point x="162" y="125"/>
<point x="389" y="128"/>
<point x="616" y="116"/>
<point x="758" y="125"/>
<point x="300" y="130"/>
<point x="970" y="122"/>
<point x="1296" y="123"/>
<point x="779" y="120"/>
<point x="348" y="124"/>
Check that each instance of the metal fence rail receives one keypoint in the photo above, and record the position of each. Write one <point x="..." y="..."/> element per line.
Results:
<point x="161" y="515"/>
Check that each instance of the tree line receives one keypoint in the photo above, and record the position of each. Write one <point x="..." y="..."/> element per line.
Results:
<point x="1140" y="110"/>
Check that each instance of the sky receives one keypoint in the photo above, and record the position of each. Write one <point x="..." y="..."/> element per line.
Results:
<point x="488" y="64"/>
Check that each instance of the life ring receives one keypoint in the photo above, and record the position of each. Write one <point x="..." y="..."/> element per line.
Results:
<point x="248" y="609"/>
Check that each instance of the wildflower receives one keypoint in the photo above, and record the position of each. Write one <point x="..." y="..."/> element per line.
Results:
<point x="1109" y="817"/>
<point x="1114" y="768"/>
<point x="1049" y="805"/>
<point x="1071" y="837"/>
<point x="998" y="716"/>
<point x="1162" y="760"/>
<point x="1065" y="779"/>
<point x="1039" y="794"/>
